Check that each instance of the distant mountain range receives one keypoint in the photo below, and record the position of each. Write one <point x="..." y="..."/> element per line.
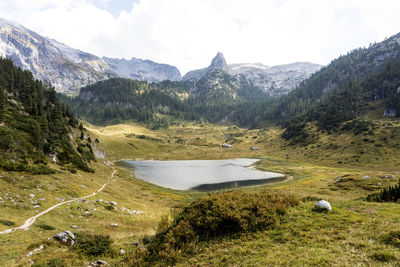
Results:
<point x="69" y="69"/>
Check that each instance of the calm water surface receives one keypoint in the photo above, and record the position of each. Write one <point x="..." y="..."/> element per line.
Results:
<point x="203" y="175"/>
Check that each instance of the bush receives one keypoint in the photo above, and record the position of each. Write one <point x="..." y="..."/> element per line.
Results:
<point x="44" y="226"/>
<point x="215" y="216"/>
<point x="357" y="126"/>
<point x="92" y="245"/>
<point x="383" y="256"/>
<point x="6" y="222"/>
<point x="310" y="199"/>
<point x="109" y="207"/>
<point x="390" y="194"/>
<point x="392" y="238"/>
<point x="54" y="262"/>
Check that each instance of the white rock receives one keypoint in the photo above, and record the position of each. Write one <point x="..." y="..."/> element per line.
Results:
<point x="323" y="204"/>
<point x="66" y="237"/>
<point x="113" y="224"/>
<point x="35" y="250"/>
<point x="113" y="203"/>
<point x="98" y="263"/>
<point x="31" y="195"/>
<point x="122" y="251"/>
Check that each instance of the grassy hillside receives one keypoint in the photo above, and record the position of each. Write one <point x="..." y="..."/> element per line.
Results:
<point x="356" y="232"/>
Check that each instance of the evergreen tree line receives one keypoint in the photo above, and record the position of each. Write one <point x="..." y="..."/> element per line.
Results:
<point x="34" y="123"/>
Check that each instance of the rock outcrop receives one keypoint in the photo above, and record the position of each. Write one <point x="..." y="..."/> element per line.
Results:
<point x="66" y="237"/>
<point x="144" y="70"/>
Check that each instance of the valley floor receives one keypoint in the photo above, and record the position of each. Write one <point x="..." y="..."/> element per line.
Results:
<point x="356" y="233"/>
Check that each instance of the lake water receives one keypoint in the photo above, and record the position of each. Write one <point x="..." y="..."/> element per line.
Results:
<point x="202" y="175"/>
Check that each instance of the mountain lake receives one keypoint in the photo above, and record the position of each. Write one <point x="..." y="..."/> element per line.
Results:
<point x="201" y="175"/>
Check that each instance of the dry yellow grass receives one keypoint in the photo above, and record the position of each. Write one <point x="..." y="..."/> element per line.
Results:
<point x="313" y="173"/>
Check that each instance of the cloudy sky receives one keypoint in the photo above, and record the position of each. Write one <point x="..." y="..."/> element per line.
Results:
<point x="188" y="33"/>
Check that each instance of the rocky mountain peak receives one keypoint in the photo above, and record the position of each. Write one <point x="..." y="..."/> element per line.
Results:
<point x="218" y="62"/>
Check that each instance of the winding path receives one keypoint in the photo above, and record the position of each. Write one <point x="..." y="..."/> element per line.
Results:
<point x="28" y="223"/>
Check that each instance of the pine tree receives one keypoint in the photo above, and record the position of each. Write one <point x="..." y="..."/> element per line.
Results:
<point x="3" y="103"/>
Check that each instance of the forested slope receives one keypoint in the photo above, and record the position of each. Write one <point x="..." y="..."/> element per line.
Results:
<point x="35" y="125"/>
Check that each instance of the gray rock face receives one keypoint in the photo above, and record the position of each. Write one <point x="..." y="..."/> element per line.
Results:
<point x="218" y="62"/>
<point x="323" y="204"/>
<point x="390" y="112"/>
<point x="144" y="70"/>
<point x="67" y="69"/>
<point x="275" y="80"/>
<point x="66" y="237"/>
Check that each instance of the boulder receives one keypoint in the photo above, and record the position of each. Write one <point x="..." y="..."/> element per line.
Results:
<point x="379" y="184"/>
<point x="337" y="179"/>
<point x="66" y="237"/>
<point x="323" y="205"/>
<point x="113" y="203"/>
<point x="53" y="158"/>
<point x="122" y="251"/>
<point x="113" y="224"/>
<point x="387" y="176"/>
<point x="98" y="263"/>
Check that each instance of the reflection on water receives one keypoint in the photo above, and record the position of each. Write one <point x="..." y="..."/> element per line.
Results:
<point x="202" y="175"/>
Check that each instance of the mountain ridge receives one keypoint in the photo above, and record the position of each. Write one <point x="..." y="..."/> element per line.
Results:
<point x="273" y="80"/>
<point x="143" y="69"/>
<point x="66" y="68"/>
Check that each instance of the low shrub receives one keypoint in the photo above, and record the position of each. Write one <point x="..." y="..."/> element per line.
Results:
<point x="310" y="199"/>
<point x="109" y="207"/>
<point x="92" y="244"/>
<point x="215" y="216"/>
<point x="390" y="194"/>
<point x="6" y="222"/>
<point x="383" y="256"/>
<point x="54" y="262"/>
<point x="44" y="226"/>
<point x="392" y="238"/>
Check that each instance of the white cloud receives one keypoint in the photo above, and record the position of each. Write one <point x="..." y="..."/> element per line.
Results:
<point x="188" y="33"/>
